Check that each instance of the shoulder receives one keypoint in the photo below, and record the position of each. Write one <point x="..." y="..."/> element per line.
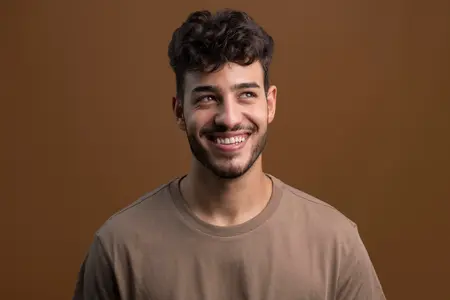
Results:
<point x="317" y="217"/>
<point x="143" y="213"/>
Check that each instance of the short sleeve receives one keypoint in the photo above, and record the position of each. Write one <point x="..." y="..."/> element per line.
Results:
<point x="96" y="280"/>
<point x="357" y="279"/>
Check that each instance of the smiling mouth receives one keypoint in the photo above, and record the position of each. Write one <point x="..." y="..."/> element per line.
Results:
<point x="234" y="140"/>
<point x="226" y="141"/>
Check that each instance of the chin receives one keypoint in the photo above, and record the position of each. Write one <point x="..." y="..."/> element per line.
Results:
<point x="229" y="170"/>
<point x="226" y="173"/>
<point x="222" y="164"/>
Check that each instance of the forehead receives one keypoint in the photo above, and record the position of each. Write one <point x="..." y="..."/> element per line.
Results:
<point x="229" y="75"/>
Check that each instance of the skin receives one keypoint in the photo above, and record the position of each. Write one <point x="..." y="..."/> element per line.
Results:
<point x="224" y="186"/>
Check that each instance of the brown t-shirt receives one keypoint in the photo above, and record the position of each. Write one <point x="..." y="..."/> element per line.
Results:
<point x="298" y="248"/>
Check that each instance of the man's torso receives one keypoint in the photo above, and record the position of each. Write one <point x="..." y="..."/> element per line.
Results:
<point x="159" y="250"/>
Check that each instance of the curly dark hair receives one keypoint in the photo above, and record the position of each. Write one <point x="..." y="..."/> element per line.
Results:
<point x="206" y="41"/>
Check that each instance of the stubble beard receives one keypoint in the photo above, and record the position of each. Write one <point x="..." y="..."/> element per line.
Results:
<point x="207" y="159"/>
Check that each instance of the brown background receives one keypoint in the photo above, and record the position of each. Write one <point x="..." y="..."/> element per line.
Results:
<point x="362" y="123"/>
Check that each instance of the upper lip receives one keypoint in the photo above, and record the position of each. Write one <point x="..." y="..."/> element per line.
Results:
<point x="228" y="134"/>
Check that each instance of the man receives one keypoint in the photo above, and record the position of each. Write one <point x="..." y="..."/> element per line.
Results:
<point x="226" y="230"/>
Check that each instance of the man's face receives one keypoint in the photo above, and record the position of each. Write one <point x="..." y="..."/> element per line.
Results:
<point x="225" y="115"/>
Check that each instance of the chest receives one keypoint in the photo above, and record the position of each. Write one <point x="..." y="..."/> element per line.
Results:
<point x="263" y="267"/>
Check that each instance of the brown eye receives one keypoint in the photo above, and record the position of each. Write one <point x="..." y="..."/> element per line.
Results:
<point x="207" y="98"/>
<point x="247" y="95"/>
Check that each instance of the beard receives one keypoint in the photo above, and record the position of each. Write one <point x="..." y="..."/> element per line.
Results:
<point x="225" y="170"/>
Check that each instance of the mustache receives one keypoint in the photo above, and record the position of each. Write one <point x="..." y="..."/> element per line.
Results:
<point x="223" y="128"/>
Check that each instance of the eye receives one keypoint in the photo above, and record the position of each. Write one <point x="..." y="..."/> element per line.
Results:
<point x="247" y="95"/>
<point x="206" y="98"/>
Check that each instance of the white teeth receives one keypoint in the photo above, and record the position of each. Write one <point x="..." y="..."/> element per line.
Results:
<point x="230" y="141"/>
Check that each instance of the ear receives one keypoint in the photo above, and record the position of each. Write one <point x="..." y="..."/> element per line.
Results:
<point x="177" y="107"/>
<point x="271" y="103"/>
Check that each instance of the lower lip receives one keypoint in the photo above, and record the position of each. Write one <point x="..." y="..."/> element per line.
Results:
<point x="229" y="147"/>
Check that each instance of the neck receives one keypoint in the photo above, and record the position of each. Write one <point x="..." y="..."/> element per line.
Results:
<point x="226" y="202"/>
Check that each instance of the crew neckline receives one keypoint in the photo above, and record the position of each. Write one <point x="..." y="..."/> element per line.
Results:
<point x="225" y="231"/>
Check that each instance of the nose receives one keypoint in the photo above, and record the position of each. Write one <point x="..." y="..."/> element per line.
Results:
<point x="229" y="114"/>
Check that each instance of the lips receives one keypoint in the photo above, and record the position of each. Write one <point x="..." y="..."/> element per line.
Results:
<point x="228" y="142"/>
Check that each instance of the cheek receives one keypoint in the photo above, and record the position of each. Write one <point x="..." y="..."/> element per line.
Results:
<point x="258" y="115"/>
<point x="191" y="126"/>
<point x="196" y="121"/>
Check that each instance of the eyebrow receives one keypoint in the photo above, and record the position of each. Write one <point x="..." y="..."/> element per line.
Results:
<point x="211" y="88"/>
<point x="245" y="85"/>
